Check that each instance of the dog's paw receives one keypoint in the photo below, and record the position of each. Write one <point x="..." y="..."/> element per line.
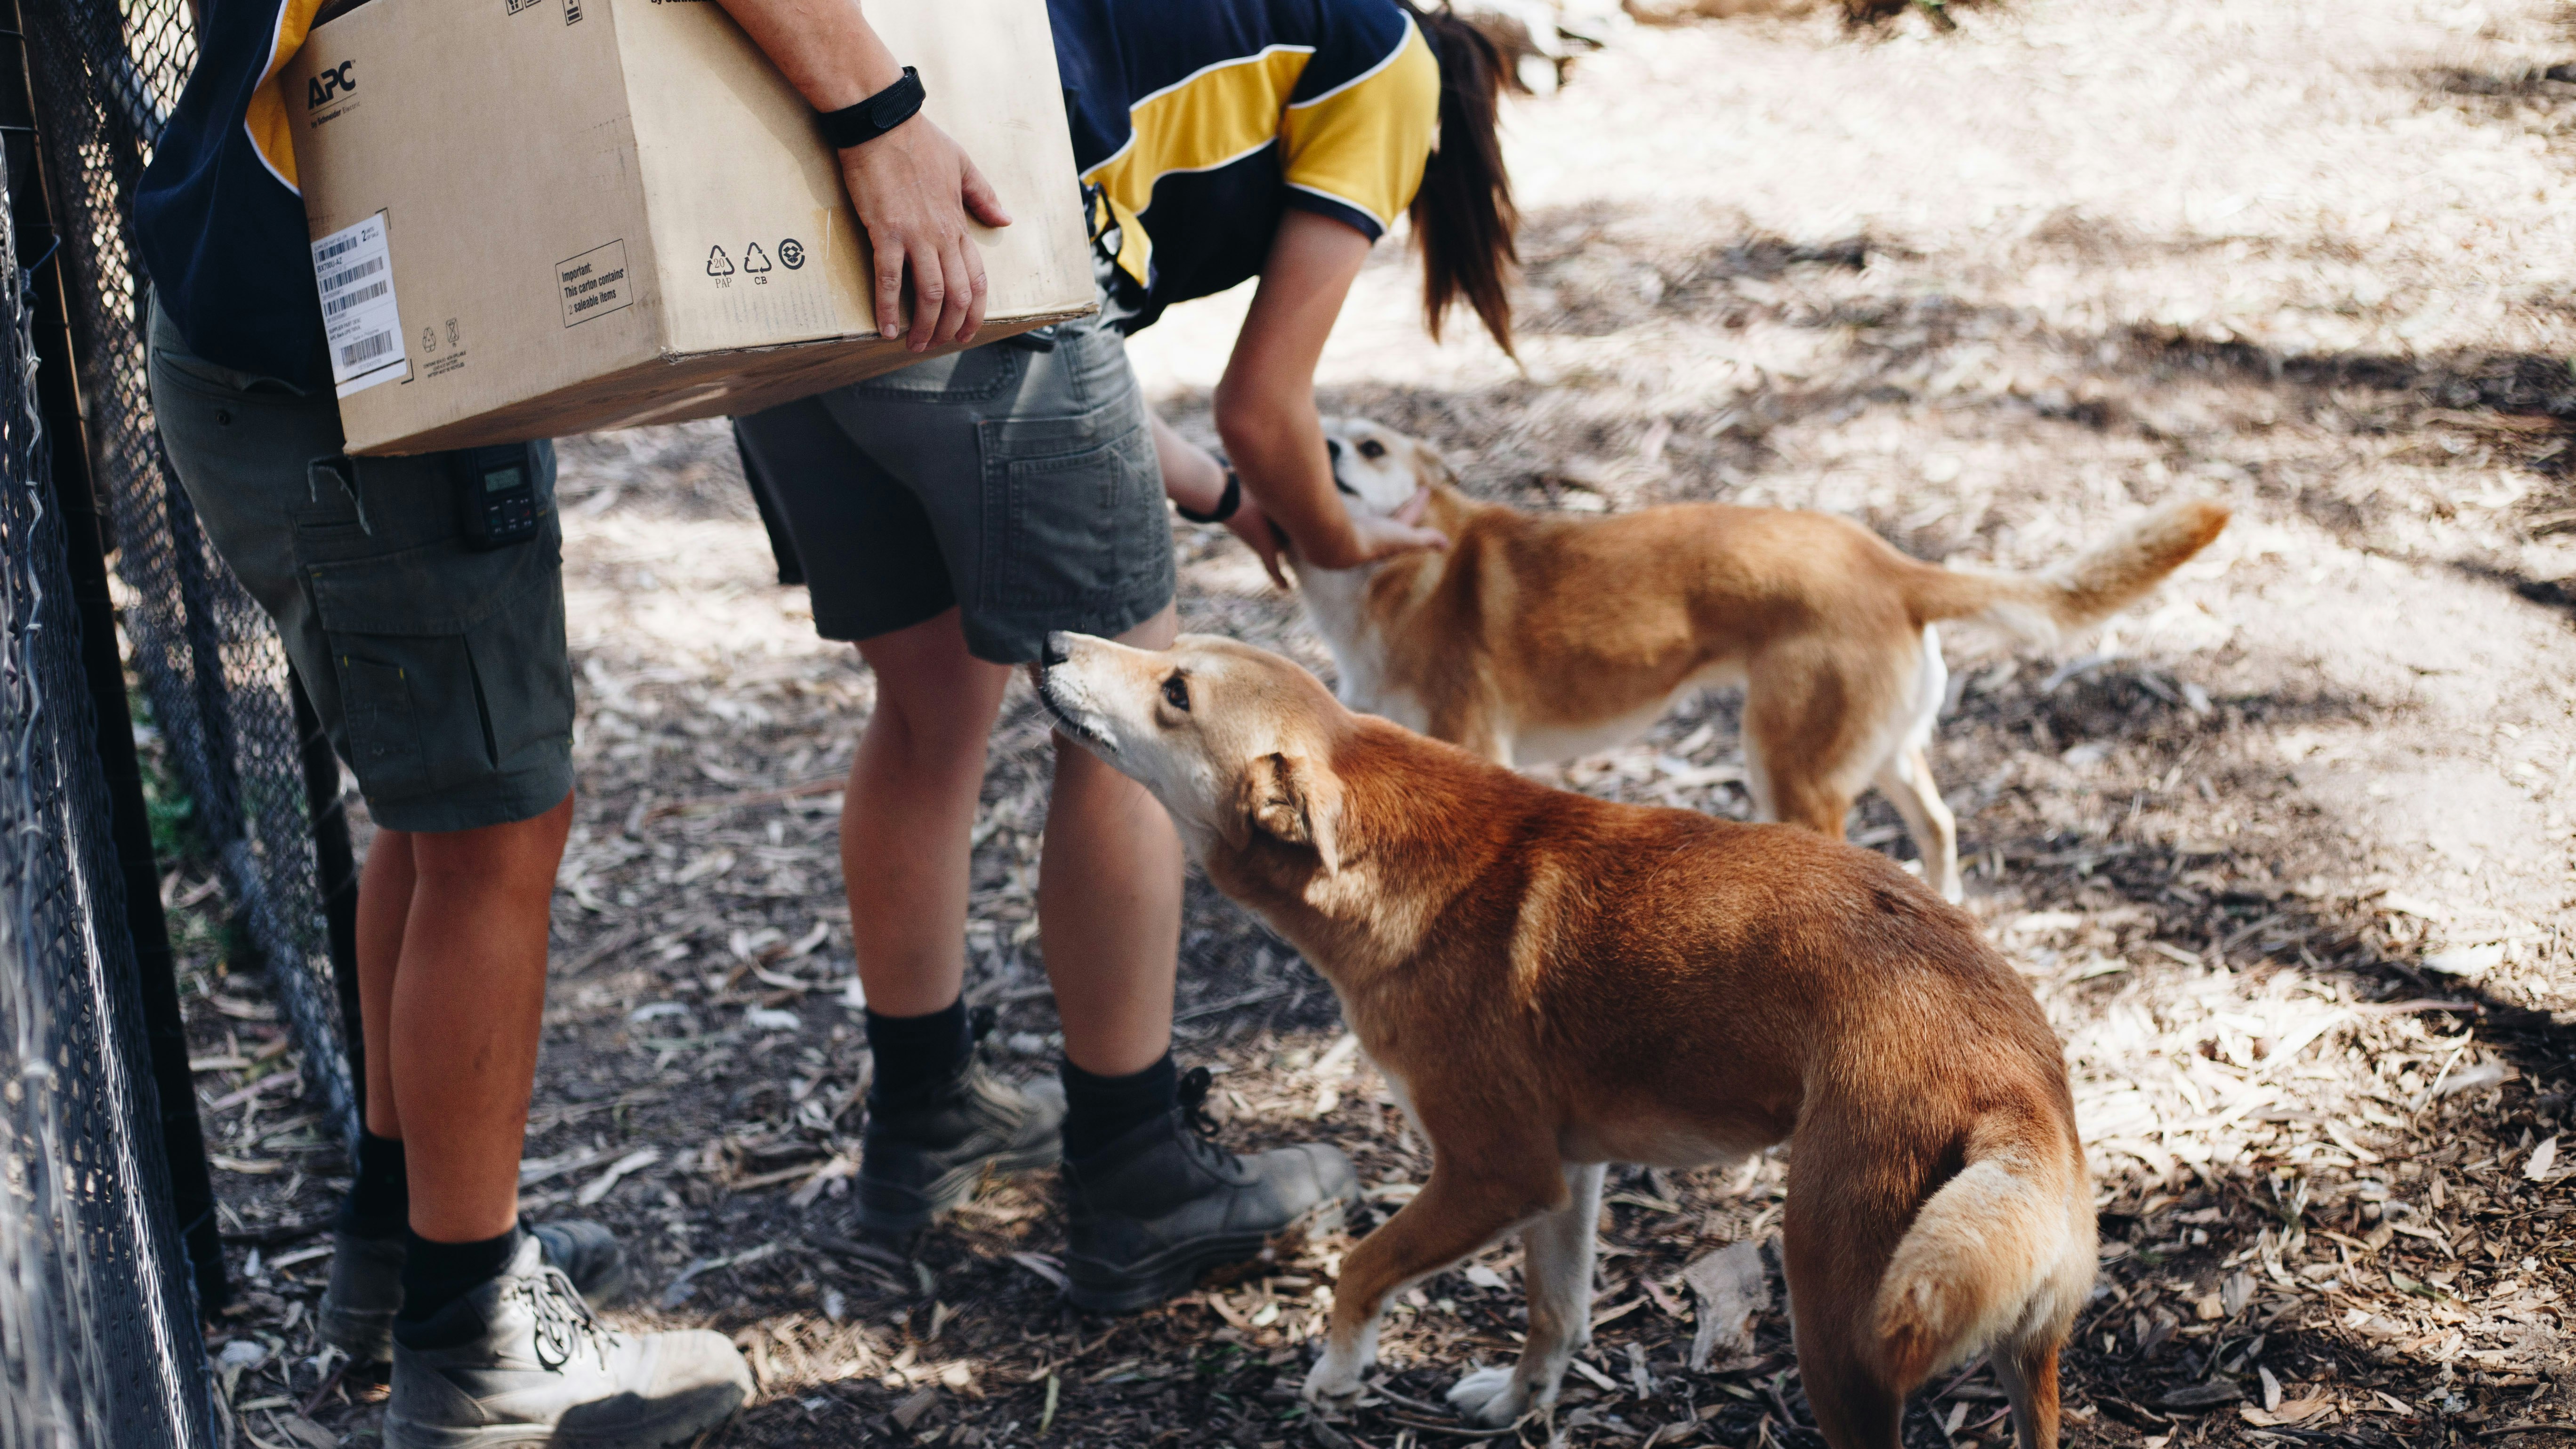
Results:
<point x="1337" y="1374"/>
<point x="1490" y="1397"/>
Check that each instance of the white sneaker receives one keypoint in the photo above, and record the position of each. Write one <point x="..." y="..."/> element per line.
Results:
<point x="526" y="1363"/>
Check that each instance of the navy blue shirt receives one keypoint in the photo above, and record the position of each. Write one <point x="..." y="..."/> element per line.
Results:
<point x="218" y="218"/>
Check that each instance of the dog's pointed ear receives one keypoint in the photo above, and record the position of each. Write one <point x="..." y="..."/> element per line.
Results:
<point x="1432" y="468"/>
<point x="1288" y="799"/>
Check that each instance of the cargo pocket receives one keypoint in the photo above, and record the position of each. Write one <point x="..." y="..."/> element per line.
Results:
<point x="449" y="662"/>
<point x="384" y="730"/>
<point x="1071" y="518"/>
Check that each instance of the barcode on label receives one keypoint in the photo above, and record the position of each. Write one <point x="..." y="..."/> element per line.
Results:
<point x="353" y="271"/>
<point x="358" y="298"/>
<point x="336" y="281"/>
<point x="332" y="251"/>
<point x="367" y="349"/>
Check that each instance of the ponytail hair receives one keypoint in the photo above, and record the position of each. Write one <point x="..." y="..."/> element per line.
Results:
<point x="1463" y="217"/>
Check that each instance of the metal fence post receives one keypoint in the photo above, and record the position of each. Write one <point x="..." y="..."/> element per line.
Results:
<point x="328" y="805"/>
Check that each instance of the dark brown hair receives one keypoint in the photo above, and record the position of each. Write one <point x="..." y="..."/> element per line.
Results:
<point x="1463" y="217"/>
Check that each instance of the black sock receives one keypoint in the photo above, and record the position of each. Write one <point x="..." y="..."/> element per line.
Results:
<point x="437" y="1274"/>
<point x="918" y="1051"/>
<point x="379" y="1202"/>
<point x="1100" y="1110"/>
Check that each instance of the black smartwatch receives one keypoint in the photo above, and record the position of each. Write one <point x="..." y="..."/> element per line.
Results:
<point x="1226" y="504"/>
<point x="858" y="125"/>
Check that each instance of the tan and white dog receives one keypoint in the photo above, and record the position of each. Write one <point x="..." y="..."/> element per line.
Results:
<point x="1536" y="638"/>
<point x="1552" y="982"/>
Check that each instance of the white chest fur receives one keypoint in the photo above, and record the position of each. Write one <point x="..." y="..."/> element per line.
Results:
<point x="1337" y="604"/>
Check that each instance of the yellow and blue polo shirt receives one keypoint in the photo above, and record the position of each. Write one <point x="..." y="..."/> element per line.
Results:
<point x="1196" y="123"/>
<point x="217" y="218"/>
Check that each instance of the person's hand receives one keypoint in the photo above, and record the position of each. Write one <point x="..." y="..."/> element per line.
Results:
<point x="1260" y="535"/>
<point x="1371" y="537"/>
<point x="914" y="190"/>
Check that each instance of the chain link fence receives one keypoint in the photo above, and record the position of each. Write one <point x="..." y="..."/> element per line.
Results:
<point x="98" y="1339"/>
<point x="99" y="1342"/>
<point x="207" y="658"/>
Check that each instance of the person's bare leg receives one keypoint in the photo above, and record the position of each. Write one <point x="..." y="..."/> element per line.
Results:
<point x="908" y="822"/>
<point x="466" y="1010"/>
<point x="1109" y="904"/>
<point x="384" y="906"/>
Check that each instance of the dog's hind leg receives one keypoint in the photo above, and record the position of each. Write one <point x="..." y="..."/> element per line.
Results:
<point x="2028" y="1373"/>
<point x="1906" y="781"/>
<point x="1853" y="1409"/>
<point x="1557" y="1272"/>
<point x="1810" y="735"/>
<point x="1833" y="1251"/>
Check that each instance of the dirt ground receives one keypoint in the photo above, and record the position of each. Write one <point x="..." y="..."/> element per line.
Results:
<point x="2286" y="852"/>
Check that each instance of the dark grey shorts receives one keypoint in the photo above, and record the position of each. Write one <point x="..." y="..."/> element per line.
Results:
<point x="1015" y="482"/>
<point x="440" y="672"/>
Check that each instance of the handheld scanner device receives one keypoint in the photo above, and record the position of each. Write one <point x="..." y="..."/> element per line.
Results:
<point x="496" y="493"/>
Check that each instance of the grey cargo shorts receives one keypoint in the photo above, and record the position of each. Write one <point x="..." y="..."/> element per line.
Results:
<point x="441" y="673"/>
<point x="1014" y="481"/>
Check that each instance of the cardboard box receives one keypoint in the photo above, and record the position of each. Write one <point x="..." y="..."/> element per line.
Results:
<point x="538" y="217"/>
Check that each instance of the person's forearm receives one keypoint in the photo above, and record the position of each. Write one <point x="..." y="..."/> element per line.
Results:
<point x="1277" y="446"/>
<point x="825" y="48"/>
<point x="1191" y="476"/>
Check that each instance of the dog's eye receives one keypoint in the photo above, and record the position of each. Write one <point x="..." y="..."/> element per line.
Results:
<point x="1372" y="449"/>
<point x="1176" y="693"/>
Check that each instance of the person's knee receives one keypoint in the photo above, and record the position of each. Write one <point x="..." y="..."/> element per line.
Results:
<point x="517" y="855"/>
<point x="931" y="736"/>
<point x="1158" y="632"/>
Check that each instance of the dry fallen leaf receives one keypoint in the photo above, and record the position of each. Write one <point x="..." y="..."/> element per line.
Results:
<point x="631" y="1162"/>
<point x="2542" y="1158"/>
<point x="1732" y="1293"/>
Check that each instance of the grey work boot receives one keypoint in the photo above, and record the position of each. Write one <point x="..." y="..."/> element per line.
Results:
<point x="923" y="1152"/>
<point x="1163" y="1204"/>
<point x="521" y="1361"/>
<point x="356" y="1315"/>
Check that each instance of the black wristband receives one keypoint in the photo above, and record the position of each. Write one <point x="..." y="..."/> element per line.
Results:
<point x="858" y="125"/>
<point x="1225" y="505"/>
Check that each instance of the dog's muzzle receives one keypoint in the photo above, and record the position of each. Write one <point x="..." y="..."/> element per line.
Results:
<point x="1333" y="465"/>
<point x="1050" y="655"/>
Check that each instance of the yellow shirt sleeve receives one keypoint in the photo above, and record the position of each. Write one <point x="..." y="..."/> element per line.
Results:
<point x="1364" y="143"/>
<point x="270" y="132"/>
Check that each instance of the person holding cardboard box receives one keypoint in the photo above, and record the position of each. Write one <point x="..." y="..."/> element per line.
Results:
<point x="948" y="516"/>
<point x="420" y="601"/>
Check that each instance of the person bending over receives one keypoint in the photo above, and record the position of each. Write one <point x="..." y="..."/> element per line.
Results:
<point x="948" y="516"/>
<point x="442" y="677"/>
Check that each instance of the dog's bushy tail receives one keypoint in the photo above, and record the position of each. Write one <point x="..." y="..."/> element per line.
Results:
<point x="2081" y="592"/>
<point x="2000" y="1258"/>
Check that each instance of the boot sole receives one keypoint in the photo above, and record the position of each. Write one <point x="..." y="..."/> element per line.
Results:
<point x="1176" y="1271"/>
<point x="404" y="1434"/>
<point x="953" y="1191"/>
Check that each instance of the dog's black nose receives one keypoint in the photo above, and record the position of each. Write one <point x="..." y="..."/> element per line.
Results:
<point x="1054" y="652"/>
